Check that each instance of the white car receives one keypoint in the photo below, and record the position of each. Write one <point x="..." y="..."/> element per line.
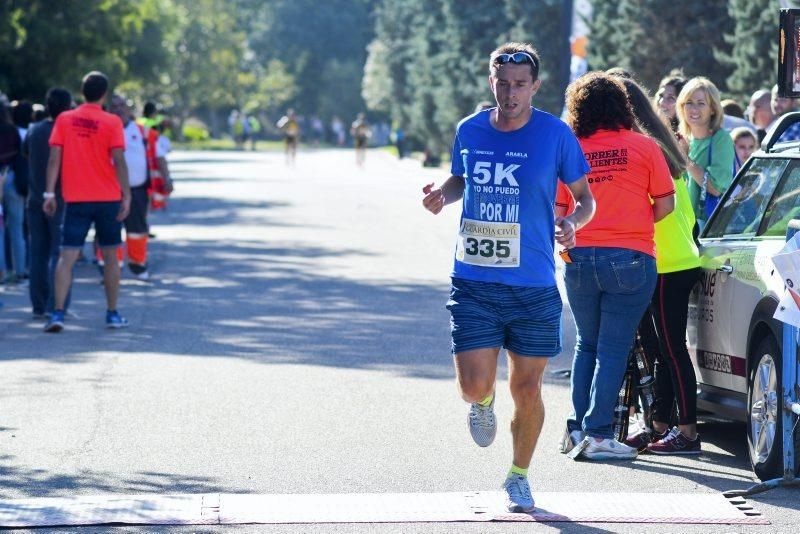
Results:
<point x="733" y="338"/>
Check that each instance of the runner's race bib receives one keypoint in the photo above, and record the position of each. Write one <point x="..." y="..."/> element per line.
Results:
<point x="489" y="244"/>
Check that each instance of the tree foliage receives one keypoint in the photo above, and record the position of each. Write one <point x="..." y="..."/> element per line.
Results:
<point x="313" y="40"/>
<point x="435" y="54"/>
<point x="44" y="43"/>
<point x="754" y="47"/>
<point x="652" y="37"/>
<point x="422" y="63"/>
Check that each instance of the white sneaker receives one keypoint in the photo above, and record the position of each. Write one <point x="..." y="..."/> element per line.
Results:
<point x="482" y="423"/>
<point x="518" y="495"/>
<point x="607" y="449"/>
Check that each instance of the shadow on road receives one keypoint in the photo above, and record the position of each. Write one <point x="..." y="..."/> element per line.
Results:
<point x="44" y="483"/>
<point x="265" y="303"/>
<point x="707" y="469"/>
<point x="216" y="212"/>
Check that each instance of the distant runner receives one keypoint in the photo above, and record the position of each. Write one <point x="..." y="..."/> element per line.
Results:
<point x="506" y="164"/>
<point x="361" y="133"/>
<point x="291" y="130"/>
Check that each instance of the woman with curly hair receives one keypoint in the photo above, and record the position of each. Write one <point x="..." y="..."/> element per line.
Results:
<point x="611" y="273"/>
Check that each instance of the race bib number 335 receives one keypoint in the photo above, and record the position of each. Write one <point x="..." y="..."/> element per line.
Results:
<point x="489" y="244"/>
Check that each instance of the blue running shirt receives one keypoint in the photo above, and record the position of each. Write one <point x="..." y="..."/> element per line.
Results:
<point x="507" y="227"/>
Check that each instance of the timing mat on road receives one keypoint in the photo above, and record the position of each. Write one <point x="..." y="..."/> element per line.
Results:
<point x="229" y="509"/>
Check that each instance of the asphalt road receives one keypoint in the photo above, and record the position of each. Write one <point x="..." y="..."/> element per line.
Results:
<point x="294" y="340"/>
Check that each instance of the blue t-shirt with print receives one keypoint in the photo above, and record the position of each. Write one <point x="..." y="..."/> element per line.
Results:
<point x="507" y="227"/>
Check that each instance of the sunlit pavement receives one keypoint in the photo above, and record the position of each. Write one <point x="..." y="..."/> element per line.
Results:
<point x="294" y="340"/>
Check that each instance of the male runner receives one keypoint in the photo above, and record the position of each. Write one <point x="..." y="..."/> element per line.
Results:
<point x="291" y="130"/>
<point x="87" y="151"/>
<point x="506" y="164"/>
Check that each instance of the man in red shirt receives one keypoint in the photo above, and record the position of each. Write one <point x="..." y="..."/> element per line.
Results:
<point x="87" y="150"/>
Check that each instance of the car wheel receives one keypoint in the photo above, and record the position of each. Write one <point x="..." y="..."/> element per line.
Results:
<point x="764" y="417"/>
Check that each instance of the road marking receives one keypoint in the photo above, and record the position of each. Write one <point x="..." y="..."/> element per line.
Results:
<point x="223" y="508"/>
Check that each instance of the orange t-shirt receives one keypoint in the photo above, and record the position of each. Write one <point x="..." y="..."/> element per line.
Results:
<point x="87" y="135"/>
<point x="628" y="169"/>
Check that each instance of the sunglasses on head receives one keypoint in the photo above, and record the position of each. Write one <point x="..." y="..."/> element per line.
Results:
<point x="518" y="58"/>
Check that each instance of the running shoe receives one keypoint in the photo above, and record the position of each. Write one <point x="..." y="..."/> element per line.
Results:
<point x="518" y="495"/>
<point x="643" y="438"/>
<point x="606" y="449"/>
<point x="115" y="320"/>
<point x="56" y="322"/>
<point x="482" y="423"/>
<point x="676" y="443"/>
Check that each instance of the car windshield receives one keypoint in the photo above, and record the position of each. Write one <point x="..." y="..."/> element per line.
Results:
<point x="785" y="203"/>
<point x="746" y="202"/>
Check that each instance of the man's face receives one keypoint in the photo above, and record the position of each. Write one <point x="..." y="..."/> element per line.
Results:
<point x="781" y="105"/>
<point x="120" y="108"/>
<point x="513" y="87"/>
<point x="762" y="111"/>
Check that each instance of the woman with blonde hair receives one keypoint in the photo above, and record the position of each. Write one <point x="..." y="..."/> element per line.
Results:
<point x="710" y="149"/>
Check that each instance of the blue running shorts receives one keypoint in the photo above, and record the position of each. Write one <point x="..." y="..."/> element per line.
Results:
<point x="524" y="320"/>
<point x="78" y="218"/>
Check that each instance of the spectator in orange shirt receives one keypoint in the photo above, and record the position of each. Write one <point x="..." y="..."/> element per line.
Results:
<point x="611" y="272"/>
<point x="87" y="151"/>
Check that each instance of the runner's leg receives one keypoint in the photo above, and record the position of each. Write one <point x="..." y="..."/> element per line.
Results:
<point x="475" y="373"/>
<point x="525" y="382"/>
<point x="64" y="275"/>
<point x="111" y="276"/>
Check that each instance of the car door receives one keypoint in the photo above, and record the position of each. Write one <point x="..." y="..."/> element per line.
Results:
<point x="735" y="264"/>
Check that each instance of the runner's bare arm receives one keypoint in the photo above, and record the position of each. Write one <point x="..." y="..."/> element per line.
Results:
<point x="53" y="170"/>
<point x="662" y="207"/>
<point x="583" y="213"/>
<point x="118" y="155"/>
<point x="450" y="191"/>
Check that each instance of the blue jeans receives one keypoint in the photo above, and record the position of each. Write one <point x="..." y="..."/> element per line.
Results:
<point x="608" y="290"/>
<point x="14" y="209"/>
<point x="45" y="240"/>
